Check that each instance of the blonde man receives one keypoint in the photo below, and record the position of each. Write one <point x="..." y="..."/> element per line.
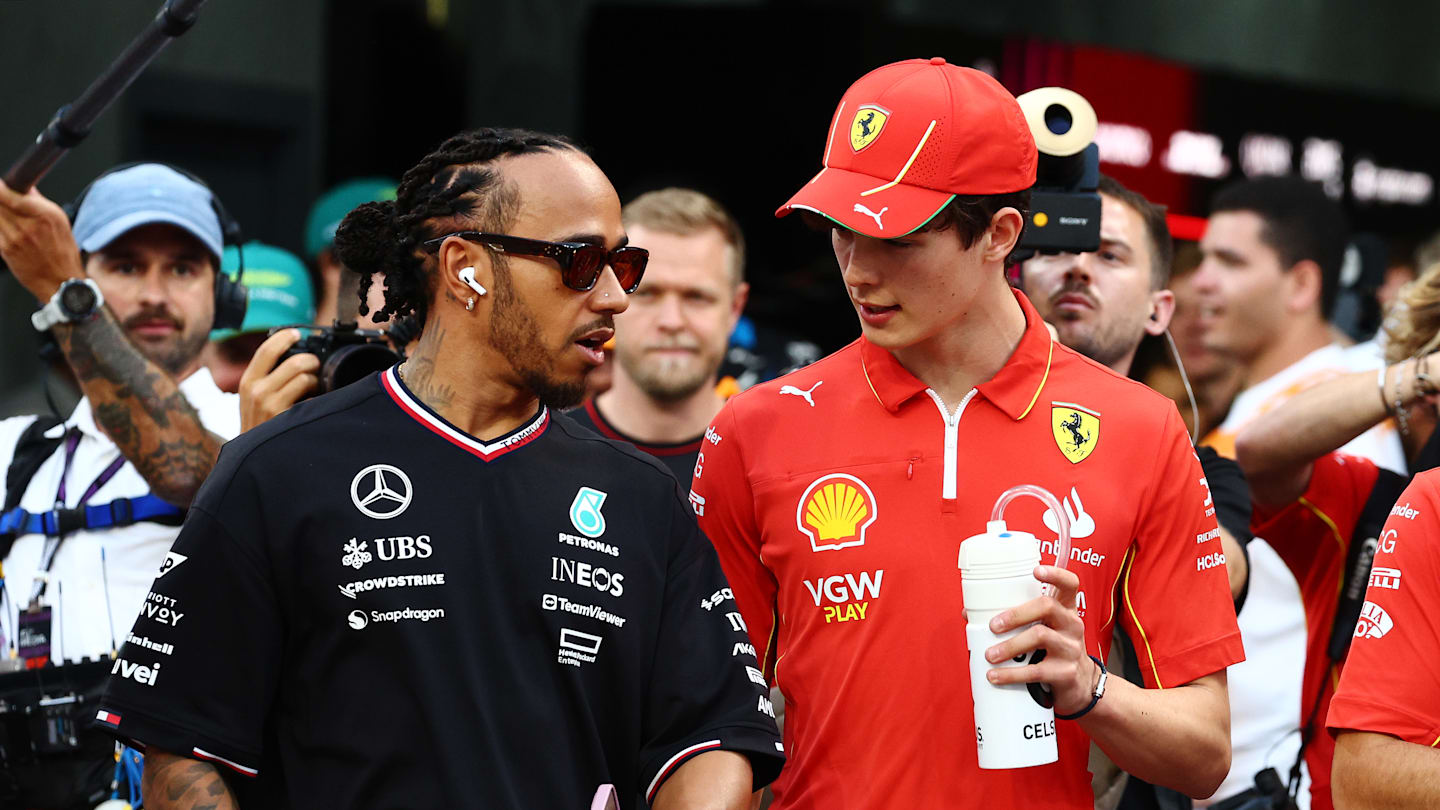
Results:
<point x="670" y="343"/>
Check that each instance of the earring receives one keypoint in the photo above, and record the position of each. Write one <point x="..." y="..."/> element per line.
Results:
<point x="469" y="305"/>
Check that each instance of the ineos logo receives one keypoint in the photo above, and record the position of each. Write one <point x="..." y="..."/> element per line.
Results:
<point x="380" y="491"/>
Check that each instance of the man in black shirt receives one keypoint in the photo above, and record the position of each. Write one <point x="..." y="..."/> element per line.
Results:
<point x="371" y="606"/>
<point x="671" y="341"/>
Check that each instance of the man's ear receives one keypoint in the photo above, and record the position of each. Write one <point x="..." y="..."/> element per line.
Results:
<point x="1162" y="310"/>
<point x="456" y="254"/>
<point x="1002" y="235"/>
<point x="737" y="303"/>
<point x="1303" y="282"/>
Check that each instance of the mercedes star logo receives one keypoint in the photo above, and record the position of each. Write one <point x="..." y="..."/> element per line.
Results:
<point x="386" y="491"/>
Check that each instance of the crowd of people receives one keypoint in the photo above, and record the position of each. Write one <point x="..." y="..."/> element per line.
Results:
<point x="320" y="593"/>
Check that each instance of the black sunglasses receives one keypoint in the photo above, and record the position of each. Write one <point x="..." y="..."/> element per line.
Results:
<point x="581" y="263"/>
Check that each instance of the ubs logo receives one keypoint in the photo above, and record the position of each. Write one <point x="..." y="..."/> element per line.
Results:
<point x="381" y="491"/>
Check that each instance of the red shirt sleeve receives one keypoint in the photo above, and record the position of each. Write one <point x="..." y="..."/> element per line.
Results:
<point x="1175" y="595"/>
<point x="1339" y="486"/>
<point x="725" y="508"/>
<point x="1391" y="679"/>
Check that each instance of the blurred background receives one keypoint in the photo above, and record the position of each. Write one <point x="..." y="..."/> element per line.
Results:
<point x="273" y="101"/>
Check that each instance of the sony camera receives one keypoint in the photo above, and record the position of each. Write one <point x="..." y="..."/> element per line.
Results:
<point x="347" y="353"/>
<point x="1064" y="205"/>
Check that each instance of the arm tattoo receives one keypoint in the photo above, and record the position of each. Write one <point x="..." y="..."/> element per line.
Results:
<point x="140" y="408"/>
<point x="171" y="782"/>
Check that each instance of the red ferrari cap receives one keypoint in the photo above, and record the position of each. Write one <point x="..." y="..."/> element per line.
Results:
<point x="907" y="138"/>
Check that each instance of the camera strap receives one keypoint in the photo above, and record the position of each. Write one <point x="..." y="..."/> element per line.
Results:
<point x="31" y="451"/>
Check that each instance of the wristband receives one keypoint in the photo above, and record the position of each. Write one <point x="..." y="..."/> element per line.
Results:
<point x="1094" y="698"/>
<point x="1380" y="382"/>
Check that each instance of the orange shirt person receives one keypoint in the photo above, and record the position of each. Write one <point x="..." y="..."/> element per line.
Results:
<point x="837" y="496"/>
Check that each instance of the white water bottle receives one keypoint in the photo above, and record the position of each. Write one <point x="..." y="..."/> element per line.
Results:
<point x="1012" y="729"/>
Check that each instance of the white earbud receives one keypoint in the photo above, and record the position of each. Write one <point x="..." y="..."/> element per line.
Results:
<point x="467" y="276"/>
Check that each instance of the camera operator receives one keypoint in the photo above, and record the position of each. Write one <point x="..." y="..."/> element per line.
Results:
<point x="336" y="287"/>
<point x="1103" y="305"/>
<point x="129" y="295"/>
<point x="670" y="342"/>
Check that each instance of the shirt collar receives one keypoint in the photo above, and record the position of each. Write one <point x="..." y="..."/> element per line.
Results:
<point x="1014" y="389"/>
<point x="194" y="388"/>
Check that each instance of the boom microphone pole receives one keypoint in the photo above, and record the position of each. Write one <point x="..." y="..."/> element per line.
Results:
<point x="73" y="121"/>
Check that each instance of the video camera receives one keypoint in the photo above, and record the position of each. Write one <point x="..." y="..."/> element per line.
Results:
<point x="347" y="353"/>
<point x="1064" y="205"/>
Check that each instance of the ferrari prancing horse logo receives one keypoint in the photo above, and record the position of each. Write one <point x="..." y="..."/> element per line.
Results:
<point x="1076" y="429"/>
<point x="866" y="126"/>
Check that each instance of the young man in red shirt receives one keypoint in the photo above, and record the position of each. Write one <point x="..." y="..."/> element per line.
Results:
<point x="838" y="500"/>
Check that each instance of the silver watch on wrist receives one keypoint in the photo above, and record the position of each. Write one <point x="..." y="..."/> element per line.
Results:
<point x="78" y="300"/>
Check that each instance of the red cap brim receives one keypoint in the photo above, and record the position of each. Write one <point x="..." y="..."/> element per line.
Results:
<point x="866" y="205"/>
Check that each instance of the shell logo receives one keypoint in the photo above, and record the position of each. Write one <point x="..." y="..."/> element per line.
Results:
<point x="835" y="511"/>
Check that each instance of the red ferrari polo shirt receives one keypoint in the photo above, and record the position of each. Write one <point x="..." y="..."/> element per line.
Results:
<point x="1312" y="535"/>
<point x="1391" y="683"/>
<point x="838" y="496"/>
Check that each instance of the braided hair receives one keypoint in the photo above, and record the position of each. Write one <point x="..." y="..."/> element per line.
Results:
<point x="451" y="182"/>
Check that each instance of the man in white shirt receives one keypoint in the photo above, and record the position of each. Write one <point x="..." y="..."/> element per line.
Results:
<point x="130" y="297"/>
<point x="1266" y="286"/>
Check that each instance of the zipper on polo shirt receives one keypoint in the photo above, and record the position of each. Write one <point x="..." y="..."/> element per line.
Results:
<point x="952" y="440"/>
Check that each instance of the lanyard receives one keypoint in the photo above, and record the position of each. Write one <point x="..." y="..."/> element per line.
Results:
<point x="52" y="544"/>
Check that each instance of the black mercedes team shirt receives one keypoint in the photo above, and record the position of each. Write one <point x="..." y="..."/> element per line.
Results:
<point x="367" y="607"/>
<point x="679" y="458"/>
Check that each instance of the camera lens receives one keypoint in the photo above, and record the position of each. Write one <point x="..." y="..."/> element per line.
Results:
<point x="355" y="362"/>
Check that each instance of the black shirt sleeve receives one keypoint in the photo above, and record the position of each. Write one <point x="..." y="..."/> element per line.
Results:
<point x="706" y="691"/>
<point x="198" y="672"/>
<point x="1230" y="491"/>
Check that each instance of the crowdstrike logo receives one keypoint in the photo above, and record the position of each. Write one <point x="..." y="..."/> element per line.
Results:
<point x="381" y="491"/>
<point x="381" y="583"/>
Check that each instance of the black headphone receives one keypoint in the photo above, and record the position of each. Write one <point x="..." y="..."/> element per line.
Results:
<point x="231" y="297"/>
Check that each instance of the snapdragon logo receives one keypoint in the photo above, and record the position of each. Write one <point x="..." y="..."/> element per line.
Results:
<point x="359" y="619"/>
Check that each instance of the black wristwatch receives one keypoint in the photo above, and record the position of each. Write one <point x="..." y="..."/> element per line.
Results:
<point x="78" y="300"/>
